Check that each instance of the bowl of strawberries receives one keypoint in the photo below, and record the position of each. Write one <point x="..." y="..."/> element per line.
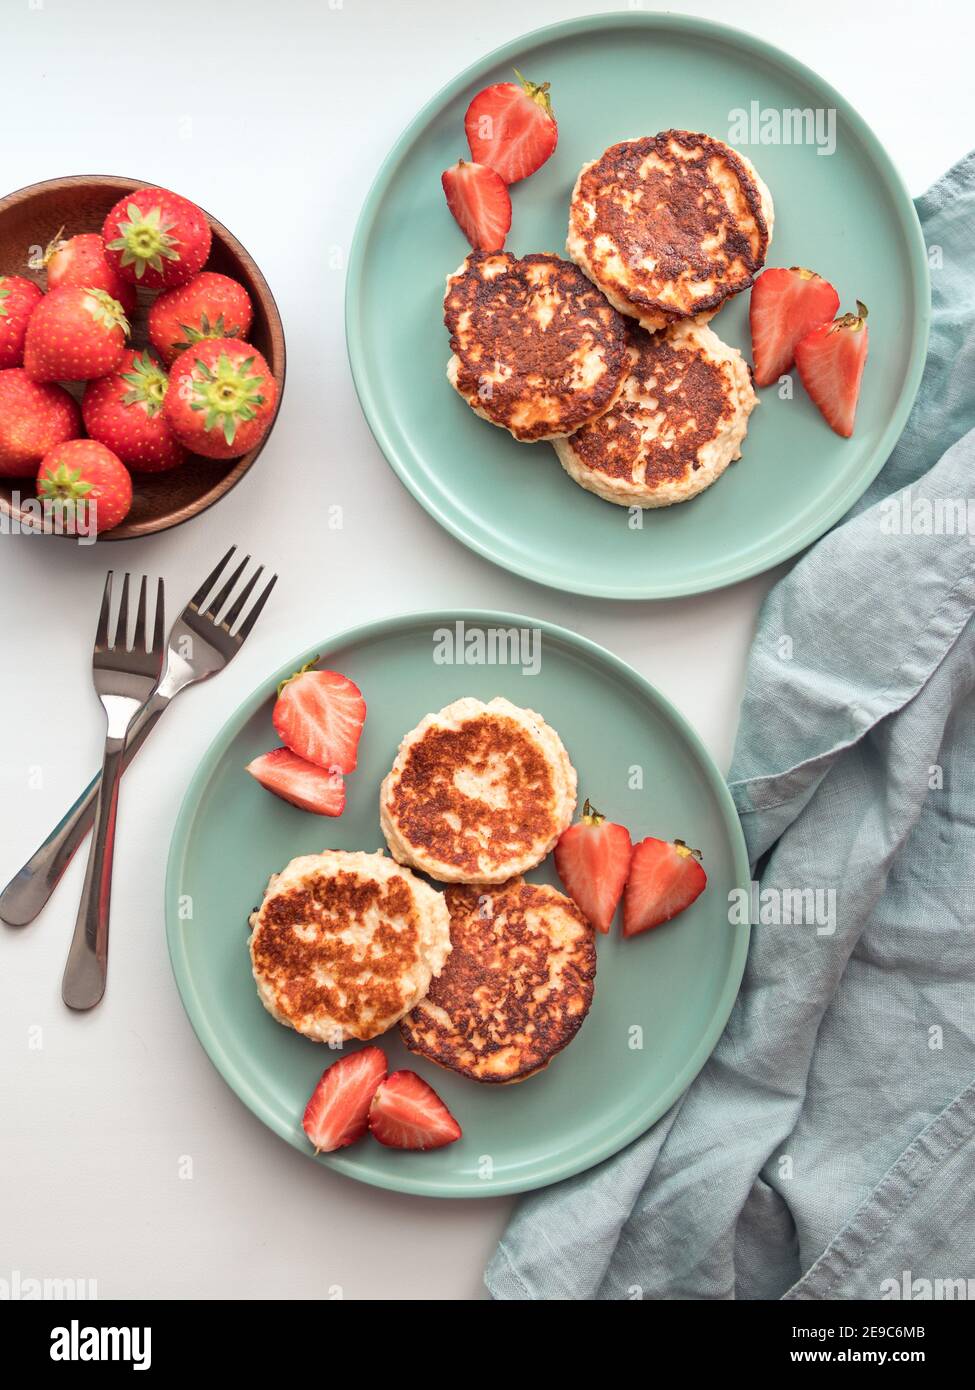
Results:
<point x="142" y="358"/>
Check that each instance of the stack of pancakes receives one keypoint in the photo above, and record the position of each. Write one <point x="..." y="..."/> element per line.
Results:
<point x="492" y="977"/>
<point x="644" y="404"/>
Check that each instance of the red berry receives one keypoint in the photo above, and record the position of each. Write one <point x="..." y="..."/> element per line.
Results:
<point x="831" y="360"/>
<point x="124" y="411"/>
<point x="406" y="1113"/>
<point x="18" y="300"/>
<point x="33" y="418"/>
<point x="304" y="784"/>
<point x="80" y="261"/>
<point x="785" y="306"/>
<point x="75" y="334"/>
<point x="156" y="238"/>
<point x="86" y="483"/>
<point x="665" y="877"/>
<point x="480" y="203"/>
<point x="319" y="715"/>
<point x="338" y="1112"/>
<point x="221" y="398"/>
<point x="208" y="306"/>
<point x="592" y="858"/>
<point x="511" y="129"/>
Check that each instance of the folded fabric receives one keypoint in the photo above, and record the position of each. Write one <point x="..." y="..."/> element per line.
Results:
<point x="826" y="1149"/>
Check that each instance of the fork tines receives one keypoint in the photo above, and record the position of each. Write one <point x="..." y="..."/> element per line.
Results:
<point x="216" y="606"/>
<point x="119" y="638"/>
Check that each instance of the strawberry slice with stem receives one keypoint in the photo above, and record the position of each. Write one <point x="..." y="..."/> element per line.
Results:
<point x="319" y="715"/>
<point x="480" y="203"/>
<point x="406" y="1113"/>
<point x="831" y="360"/>
<point x="785" y="306"/>
<point x="665" y="878"/>
<point x="510" y="127"/>
<point x="338" y="1112"/>
<point x="303" y="784"/>
<point x="592" y="858"/>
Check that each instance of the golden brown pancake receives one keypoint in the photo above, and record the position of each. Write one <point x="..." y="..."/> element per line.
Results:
<point x="670" y="225"/>
<point x="681" y="419"/>
<point x="478" y="792"/>
<point x="345" y="943"/>
<point x="537" y="349"/>
<point x="517" y="985"/>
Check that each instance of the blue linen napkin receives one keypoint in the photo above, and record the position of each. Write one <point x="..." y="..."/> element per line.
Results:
<point x="827" y="1147"/>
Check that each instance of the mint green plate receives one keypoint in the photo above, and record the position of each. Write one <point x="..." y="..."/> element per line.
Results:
<point x="846" y="214"/>
<point x="661" y="999"/>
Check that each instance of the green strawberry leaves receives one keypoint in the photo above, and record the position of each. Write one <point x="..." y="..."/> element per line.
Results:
<point x="230" y="395"/>
<point x="148" y="384"/>
<point x="144" y="239"/>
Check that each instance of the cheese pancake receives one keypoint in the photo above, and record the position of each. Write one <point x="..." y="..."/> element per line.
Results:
<point x="477" y="793"/>
<point x="516" y="988"/>
<point x="680" y="421"/>
<point x="344" y="944"/>
<point x="536" y="347"/>
<point x="670" y="225"/>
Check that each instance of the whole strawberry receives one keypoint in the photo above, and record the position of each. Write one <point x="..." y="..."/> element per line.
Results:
<point x="81" y="261"/>
<point x="85" y="483"/>
<point x="18" y="300"/>
<point x="156" y="238"/>
<point x="221" y="398"/>
<point x="33" y="419"/>
<point x="124" y="411"/>
<point x="75" y="334"/>
<point x="208" y="306"/>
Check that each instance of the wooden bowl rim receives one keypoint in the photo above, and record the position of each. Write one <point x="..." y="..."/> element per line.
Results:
<point x="276" y="328"/>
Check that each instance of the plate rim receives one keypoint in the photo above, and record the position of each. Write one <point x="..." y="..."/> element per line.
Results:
<point x="919" y="273"/>
<point x="192" y="799"/>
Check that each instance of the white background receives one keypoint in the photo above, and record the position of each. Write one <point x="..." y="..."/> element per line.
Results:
<point x="275" y="116"/>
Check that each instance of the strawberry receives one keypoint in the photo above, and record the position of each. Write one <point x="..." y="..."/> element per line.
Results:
<point x="75" y="334"/>
<point x="511" y="129"/>
<point x="665" y="877"/>
<point x="831" y="360"/>
<point x="338" y="1112"/>
<point x="319" y="715"/>
<point x="785" y="306"/>
<point x="33" y="418"/>
<point x="80" y="261"/>
<point x="480" y="203"/>
<point x="125" y="412"/>
<point x="592" y="858"/>
<point x="85" y="481"/>
<point x="406" y="1113"/>
<point x="18" y="300"/>
<point x="221" y="398"/>
<point x="304" y="784"/>
<point x="208" y="306"/>
<point x="156" y="238"/>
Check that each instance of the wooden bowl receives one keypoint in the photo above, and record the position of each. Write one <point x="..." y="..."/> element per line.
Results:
<point x="29" y="219"/>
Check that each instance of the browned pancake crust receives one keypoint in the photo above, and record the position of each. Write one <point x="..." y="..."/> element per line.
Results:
<point x="680" y="211"/>
<point x="692" y="392"/>
<point x="425" y="793"/>
<point x="506" y="1020"/>
<point x="502" y="331"/>
<point x="366" y="981"/>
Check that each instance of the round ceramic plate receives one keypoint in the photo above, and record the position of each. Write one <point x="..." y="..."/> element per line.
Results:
<point x="661" y="999"/>
<point x="840" y="207"/>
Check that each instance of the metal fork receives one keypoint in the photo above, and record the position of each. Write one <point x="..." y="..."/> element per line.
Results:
<point x="124" y="678"/>
<point x="202" y="641"/>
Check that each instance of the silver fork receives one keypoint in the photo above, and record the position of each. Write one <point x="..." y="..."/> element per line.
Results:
<point x="202" y="641"/>
<point x="124" y="679"/>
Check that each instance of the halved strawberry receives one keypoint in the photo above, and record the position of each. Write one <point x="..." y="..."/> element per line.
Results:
<point x="665" y="877"/>
<point x="785" y="306"/>
<point x="831" y="360"/>
<point x="406" y="1113"/>
<point x="593" y="860"/>
<point x="304" y="784"/>
<point x="319" y="715"/>
<point x="338" y="1112"/>
<point x="511" y="129"/>
<point x="479" y="200"/>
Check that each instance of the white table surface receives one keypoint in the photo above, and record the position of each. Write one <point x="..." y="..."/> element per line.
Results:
<point x="278" y="125"/>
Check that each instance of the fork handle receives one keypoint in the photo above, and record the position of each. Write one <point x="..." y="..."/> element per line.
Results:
<point x="86" y="970"/>
<point x="29" y="890"/>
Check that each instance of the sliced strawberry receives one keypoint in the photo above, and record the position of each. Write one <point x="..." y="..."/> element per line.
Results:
<point x="319" y="715"/>
<point x="480" y="203"/>
<point x="831" y="360"/>
<point x="338" y="1112"/>
<point x="406" y="1113"/>
<point x="785" y="306"/>
<point x="304" y="784"/>
<point x="665" y="877"/>
<point x="593" y="860"/>
<point x="511" y="129"/>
